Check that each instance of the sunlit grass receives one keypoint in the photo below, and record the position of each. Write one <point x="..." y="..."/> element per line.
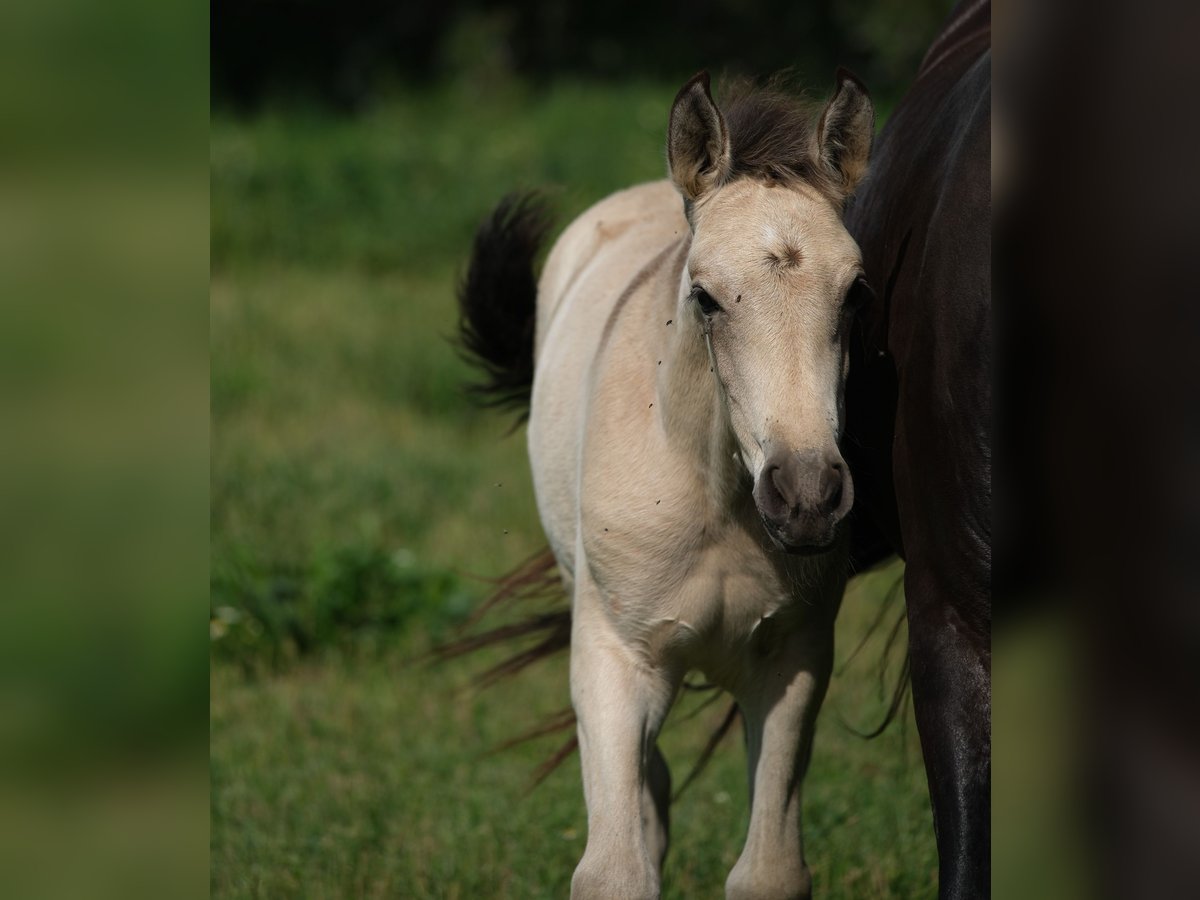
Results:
<point x="373" y="779"/>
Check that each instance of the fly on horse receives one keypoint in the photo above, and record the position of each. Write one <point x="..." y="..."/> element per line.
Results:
<point x="683" y="356"/>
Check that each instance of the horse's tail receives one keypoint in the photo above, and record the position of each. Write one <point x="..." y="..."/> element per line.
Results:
<point x="497" y="312"/>
<point x="536" y="634"/>
<point x="899" y="690"/>
<point x="497" y="302"/>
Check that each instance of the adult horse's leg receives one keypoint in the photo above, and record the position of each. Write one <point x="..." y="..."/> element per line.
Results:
<point x="943" y="490"/>
<point x="779" y="702"/>
<point x="620" y="704"/>
<point x="952" y="702"/>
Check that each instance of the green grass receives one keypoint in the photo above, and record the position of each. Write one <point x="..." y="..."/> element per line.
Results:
<point x="373" y="779"/>
<point x="339" y="424"/>
<point x="403" y="187"/>
<point x="355" y="494"/>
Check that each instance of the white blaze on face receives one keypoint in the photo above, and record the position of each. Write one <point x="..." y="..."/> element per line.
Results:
<point x="779" y="262"/>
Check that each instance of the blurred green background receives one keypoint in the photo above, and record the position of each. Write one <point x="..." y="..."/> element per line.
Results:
<point x="358" y="501"/>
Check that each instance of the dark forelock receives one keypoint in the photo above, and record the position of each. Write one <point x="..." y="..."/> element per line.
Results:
<point x="772" y="135"/>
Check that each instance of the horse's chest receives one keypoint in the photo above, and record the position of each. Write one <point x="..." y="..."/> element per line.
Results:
<point x="689" y="601"/>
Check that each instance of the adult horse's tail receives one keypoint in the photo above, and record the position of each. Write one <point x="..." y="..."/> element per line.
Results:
<point x="497" y="302"/>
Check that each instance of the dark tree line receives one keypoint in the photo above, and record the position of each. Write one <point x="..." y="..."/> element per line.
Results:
<point x="343" y="53"/>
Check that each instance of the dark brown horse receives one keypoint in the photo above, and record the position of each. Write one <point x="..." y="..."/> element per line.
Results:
<point x="918" y="434"/>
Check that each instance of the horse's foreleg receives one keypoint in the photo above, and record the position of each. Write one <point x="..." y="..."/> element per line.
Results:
<point x="779" y="703"/>
<point x="620" y="704"/>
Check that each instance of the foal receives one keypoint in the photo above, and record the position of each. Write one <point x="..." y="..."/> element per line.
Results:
<point x="689" y="353"/>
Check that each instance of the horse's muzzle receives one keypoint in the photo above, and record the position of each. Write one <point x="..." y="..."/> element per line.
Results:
<point x="802" y="497"/>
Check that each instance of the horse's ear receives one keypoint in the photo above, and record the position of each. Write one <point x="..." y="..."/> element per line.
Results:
<point x="697" y="140"/>
<point x="845" y="132"/>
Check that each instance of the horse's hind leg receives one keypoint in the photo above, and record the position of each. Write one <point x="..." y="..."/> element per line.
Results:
<point x="620" y="704"/>
<point x="942" y="467"/>
<point x="779" y="701"/>
<point x="952" y="701"/>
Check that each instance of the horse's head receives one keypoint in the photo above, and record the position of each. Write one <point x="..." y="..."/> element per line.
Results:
<point x="773" y="278"/>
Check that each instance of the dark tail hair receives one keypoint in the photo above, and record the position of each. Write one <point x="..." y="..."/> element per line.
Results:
<point x="900" y="687"/>
<point x="538" y="635"/>
<point x="497" y="302"/>
<point x="535" y="581"/>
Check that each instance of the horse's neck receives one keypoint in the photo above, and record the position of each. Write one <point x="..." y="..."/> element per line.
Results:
<point x="691" y="404"/>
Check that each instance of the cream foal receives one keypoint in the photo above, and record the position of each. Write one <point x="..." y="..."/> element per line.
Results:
<point x="690" y="352"/>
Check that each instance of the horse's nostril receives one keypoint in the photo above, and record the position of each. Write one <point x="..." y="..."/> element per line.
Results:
<point x="831" y="494"/>
<point x="779" y="482"/>
<point x="802" y="486"/>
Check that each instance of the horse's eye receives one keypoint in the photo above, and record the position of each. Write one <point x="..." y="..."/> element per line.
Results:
<point x="859" y="295"/>
<point x="707" y="304"/>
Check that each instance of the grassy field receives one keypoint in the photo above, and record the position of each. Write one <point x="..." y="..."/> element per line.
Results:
<point x="355" y="497"/>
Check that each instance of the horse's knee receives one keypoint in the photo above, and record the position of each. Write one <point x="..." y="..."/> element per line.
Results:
<point x="772" y="882"/>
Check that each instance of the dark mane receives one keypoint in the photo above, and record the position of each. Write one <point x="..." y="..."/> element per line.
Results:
<point x="772" y="135"/>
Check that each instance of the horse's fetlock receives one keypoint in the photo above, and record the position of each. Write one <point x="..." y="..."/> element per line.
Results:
<point x="745" y="883"/>
<point x="596" y="879"/>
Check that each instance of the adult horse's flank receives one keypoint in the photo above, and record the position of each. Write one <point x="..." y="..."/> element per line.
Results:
<point x="685" y="351"/>
<point x="918" y="433"/>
